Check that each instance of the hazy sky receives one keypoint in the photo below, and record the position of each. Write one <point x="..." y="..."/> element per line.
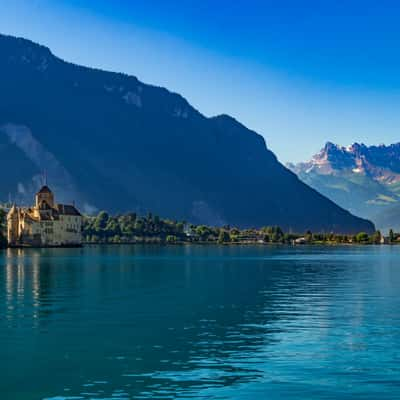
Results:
<point x="298" y="72"/>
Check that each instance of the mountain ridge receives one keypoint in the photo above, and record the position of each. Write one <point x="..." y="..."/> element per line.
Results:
<point x="112" y="142"/>
<point x="372" y="160"/>
<point x="363" y="179"/>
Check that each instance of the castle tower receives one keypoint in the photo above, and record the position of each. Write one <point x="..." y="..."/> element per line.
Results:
<point x="13" y="225"/>
<point x="44" y="195"/>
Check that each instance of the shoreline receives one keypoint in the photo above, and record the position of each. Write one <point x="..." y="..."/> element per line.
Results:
<point x="181" y="244"/>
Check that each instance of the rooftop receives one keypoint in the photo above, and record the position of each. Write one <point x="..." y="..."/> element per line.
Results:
<point x="44" y="189"/>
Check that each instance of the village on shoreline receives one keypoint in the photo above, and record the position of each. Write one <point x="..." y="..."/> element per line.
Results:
<point x="50" y="224"/>
<point x="131" y="228"/>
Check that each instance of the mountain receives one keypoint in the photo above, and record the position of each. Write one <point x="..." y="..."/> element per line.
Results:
<point x="109" y="141"/>
<point x="363" y="179"/>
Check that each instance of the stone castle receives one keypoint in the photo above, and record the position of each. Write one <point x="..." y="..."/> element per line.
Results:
<point x="46" y="224"/>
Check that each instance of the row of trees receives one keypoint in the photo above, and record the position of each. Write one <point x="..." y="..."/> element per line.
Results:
<point x="275" y="234"/>
<point x="126" y="228"/>
<point x="131" y="227"/>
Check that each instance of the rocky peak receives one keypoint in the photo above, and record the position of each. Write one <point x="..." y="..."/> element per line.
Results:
<point x="381" y="162"/>
<point x="331" y="147"/>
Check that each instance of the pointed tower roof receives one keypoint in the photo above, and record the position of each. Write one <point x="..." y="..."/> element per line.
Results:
<point x="44" y="189"/>
<point x="13" y="210"/>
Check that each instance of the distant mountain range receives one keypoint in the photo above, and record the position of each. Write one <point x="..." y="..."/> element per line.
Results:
<point x="363" y="179"/>
<point x="109" y="141"/>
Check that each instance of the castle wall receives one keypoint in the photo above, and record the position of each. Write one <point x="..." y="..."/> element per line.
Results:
<point x="63" y="232"/>
<point x="12" y="228"/>
<point x="66" y="231"/>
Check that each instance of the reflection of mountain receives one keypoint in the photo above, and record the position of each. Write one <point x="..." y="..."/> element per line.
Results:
<point x="364" y="180"/>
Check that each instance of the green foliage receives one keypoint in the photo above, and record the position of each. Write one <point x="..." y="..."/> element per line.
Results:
<point x="362" y="237"/>
<point x="391" y="236"/>
<point x="3" y="227"/>
<point x="3" y="220"/>
<point x="224" y="236"/>
<point x="101" y="220"/>
<point x="171" y="239"/>
<point x="376" y="237"/>
<point x="274" y="234"/>
<point x="129" y="228"/>
<point x="204" y="232"/>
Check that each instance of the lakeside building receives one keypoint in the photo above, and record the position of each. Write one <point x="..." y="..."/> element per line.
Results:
<point x="46" y="224"/>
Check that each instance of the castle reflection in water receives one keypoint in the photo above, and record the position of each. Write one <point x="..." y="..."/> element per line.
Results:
<point x="31" y="287"/>
<point x="23" y="285"/>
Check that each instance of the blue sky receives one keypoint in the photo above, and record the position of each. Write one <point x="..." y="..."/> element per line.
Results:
<point x="298" y="72"/>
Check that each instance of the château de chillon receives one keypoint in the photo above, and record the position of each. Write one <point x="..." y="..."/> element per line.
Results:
<point x="46" y="224"/>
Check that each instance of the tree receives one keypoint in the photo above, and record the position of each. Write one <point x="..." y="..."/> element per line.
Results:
<point x="171" y="239"/>
<point x="377" y="237"/>
<point x="289" y="237"/>
<point x="139" y="226"/>
<point x="116" y="239"/>
<point x="3" y="224"/>
<point x="3" y="220"/>
<point x="101" y="221"/>
<point x="391" y="236"/>
<point x="224" y="237"/>
<point x="235" y="231"/>
<point x="112" y="228"/>
<point x="276" y="234"/>
<point x="203" y="232"/>
<point x="362" y="237"/>
<point x="180" y="227"/>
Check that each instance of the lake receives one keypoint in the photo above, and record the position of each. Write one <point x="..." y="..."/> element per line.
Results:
<point x="200" y="322"/>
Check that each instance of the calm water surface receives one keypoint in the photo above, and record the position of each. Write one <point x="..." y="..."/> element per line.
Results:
<point x="124" y="322"/>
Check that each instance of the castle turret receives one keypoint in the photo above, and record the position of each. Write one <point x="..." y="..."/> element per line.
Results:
<point x="13" y="225"/>
<point x="44" y="195"/>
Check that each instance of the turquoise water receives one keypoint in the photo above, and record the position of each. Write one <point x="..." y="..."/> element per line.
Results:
<point x="124" y="322"/>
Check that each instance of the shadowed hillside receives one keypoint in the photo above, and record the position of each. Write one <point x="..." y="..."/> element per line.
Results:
<point x="111" y="142"/>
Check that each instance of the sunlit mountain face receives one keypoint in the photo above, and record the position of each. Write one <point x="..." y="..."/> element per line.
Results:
<point x="363" y="179"/>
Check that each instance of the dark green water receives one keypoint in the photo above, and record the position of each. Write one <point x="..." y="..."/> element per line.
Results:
<point x="200" y="322"/>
